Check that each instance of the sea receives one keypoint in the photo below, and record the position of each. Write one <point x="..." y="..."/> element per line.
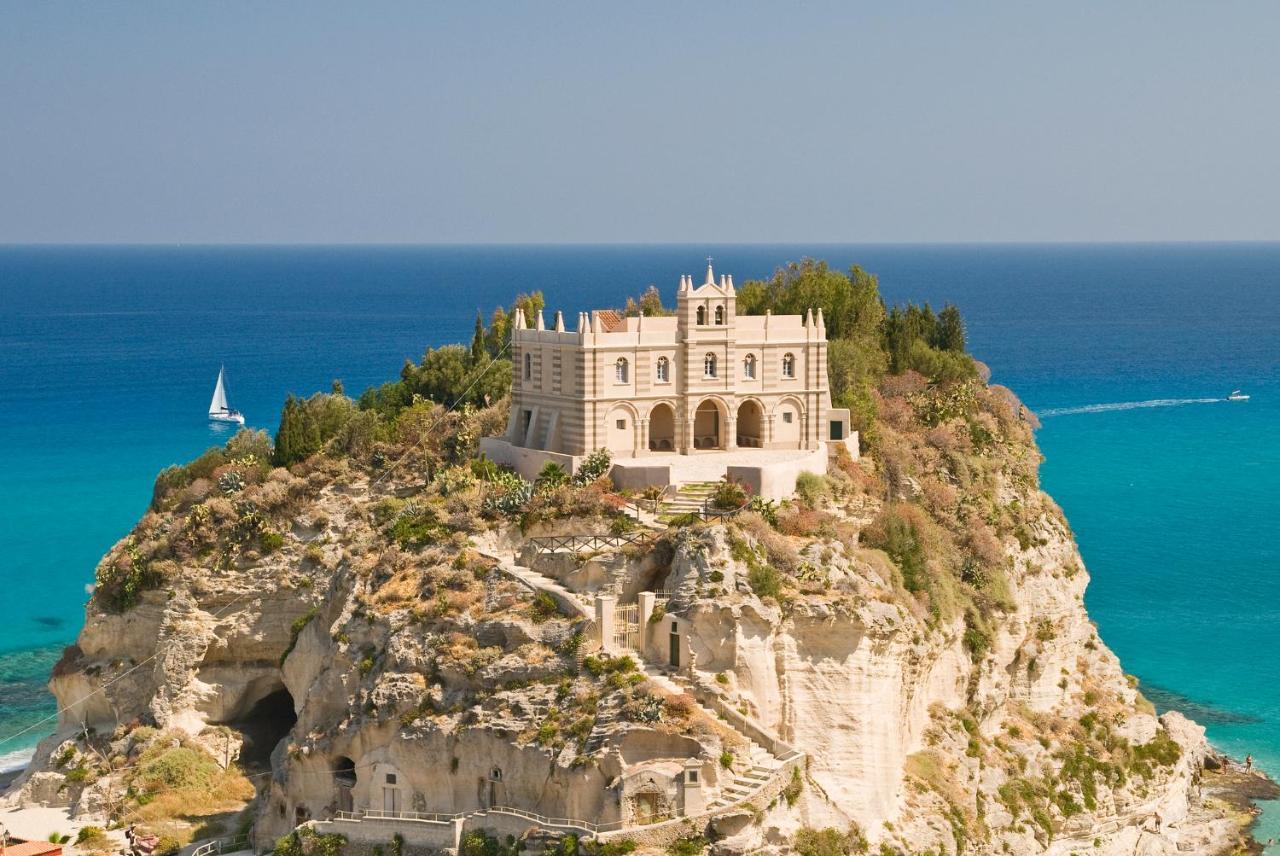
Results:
<point x="108" y="357"/>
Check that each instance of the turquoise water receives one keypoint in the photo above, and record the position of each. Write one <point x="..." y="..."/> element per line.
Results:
<point x="108" y="358"/>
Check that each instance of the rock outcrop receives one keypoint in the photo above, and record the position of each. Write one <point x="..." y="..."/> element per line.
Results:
<point x="913" y="624"/>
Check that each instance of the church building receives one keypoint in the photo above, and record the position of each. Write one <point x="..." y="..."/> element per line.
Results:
<point x="704" y="380"/>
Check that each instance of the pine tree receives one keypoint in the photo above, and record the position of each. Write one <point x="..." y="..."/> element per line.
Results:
<point x="499" y="330"/>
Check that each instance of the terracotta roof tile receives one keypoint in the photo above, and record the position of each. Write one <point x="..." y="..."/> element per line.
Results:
<point x="611" y="319"/>
<point x="32" y="848"/>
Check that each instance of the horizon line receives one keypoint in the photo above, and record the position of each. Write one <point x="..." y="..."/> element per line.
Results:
<point x="603" y="244"/>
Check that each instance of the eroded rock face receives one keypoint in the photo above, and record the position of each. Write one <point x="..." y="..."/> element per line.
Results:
<point x="907" y="730"/>
<point x="366" y="674"/>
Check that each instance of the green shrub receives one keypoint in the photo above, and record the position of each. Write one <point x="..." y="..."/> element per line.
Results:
<point x="690" y="518"/>
<point x="829" y="842"/>
<point x="122" y="579"/>
<point x="766" y="508"/>
<point x="897" y="535"/>
<point x="791" y="790"/>
<point x="175" y="768"/>
<point x="729" y="494"/>
<point x="726" y="759"/>
<point x="477" y="843"/>
<point x="92" y="838"/>
<point x="811" y="488"/>
<point x="764" y="581"/>
<point x="977" y="638"/>
<point x="416" y="526"/>
<point x="593" y="467"/>
<point x="295" y="630"/>
<point x="550" y="476"/>
<point x="618" y="847"/>
<point x="77" y="775"/>
<point x="544" y="607"/>
<point x="688" y="845"/>
<point x="270" y="541"/>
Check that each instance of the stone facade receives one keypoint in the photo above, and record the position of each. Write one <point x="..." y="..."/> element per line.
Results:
<point x="706" y="379"/>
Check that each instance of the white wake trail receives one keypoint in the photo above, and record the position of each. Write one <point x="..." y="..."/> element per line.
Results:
<point x="1124" y="405"/>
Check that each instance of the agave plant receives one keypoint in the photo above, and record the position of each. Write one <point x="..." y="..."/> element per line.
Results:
<point x="231" y="482"/>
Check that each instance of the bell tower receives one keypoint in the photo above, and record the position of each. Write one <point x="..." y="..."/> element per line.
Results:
<point x="706" y="317"/>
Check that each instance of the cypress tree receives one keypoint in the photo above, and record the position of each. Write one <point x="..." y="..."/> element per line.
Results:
<point x="298" y="436"/>
<point x="478" y="349"/>
<point x="951" y="329"/>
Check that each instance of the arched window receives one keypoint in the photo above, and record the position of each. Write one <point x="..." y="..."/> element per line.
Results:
<point x="719" y="315"/>
<point x="702" y="316"/>
<point x="749" y="367"/>
<point x="709" y="365"/>
<point x="620" y="370"/>
<point x="528" y="366"/>
<point x="664" y="370"/>
<point x="788" y="365"/>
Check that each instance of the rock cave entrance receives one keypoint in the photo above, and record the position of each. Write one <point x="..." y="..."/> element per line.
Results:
<point x="264" y="725"/>
<point x="344" y="779"/>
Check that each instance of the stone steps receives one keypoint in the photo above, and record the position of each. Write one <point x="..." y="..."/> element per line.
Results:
<point x="606" y="716"/>
<point x="690" y="498"/>
<point x="763" y="764"/>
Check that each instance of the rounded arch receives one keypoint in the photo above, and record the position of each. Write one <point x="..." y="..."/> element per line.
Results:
<point x="620" y="429"/>
<point x="662" y="371"/>
<point x="788" y="423"/>
<point x="344" y="781"/>
<point x="750" y="424"/>
<point x="662" y="427"/>
<point x="749" y="367"/>
<point x="719" y="315"/>
<point x="710" y="420"/>
<point x="702" y="316"/>
<point x="710" y="365"/>
<point x="788" y="365"/>
<point x="620" y="370"/>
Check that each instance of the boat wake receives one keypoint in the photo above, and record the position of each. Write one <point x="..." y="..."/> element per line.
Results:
<point x="1124" y="405"/>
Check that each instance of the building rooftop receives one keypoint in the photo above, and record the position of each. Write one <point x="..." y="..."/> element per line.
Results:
<point x="32" y="848"/>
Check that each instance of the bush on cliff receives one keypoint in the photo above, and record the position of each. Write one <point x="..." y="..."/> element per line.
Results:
<point x="830" y="841"/>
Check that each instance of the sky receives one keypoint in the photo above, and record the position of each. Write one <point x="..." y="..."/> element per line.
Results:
<point x="380" y="122"/>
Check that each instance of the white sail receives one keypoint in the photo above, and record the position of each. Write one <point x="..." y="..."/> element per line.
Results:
<point x="219" y="403"/>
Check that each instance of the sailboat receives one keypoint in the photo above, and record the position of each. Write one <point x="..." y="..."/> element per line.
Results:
<point x="218" y="409"/>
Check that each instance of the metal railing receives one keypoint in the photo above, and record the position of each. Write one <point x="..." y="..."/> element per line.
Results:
<point x="221" y="845"/>
<point x="563" y="822"/>
<point x="575" y="543"/>
<point x="438" y="817"/>
<point x="416" y="816"/>
<point x="711" y="512"/>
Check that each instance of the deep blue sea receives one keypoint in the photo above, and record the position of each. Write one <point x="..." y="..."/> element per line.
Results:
<point x="108" y="358"/>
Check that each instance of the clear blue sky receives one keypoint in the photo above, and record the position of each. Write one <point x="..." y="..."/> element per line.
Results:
<point x="638" y="121"/>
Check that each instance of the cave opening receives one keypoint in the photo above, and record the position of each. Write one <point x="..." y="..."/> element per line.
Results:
<point x="263" y="726"/>
<point x="344" y="778"/>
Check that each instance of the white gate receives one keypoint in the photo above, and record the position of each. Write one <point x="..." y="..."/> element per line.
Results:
<point x="626" y="627"/>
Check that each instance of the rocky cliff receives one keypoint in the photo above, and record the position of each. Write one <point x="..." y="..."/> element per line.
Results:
<point x="367" y="629"/>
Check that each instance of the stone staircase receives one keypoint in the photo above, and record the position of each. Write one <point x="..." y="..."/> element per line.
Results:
<point x="690" y="498"/>
<point x="572" y="601"/>
<point x="762" y="765"/>
<point x="606" y="716"/>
